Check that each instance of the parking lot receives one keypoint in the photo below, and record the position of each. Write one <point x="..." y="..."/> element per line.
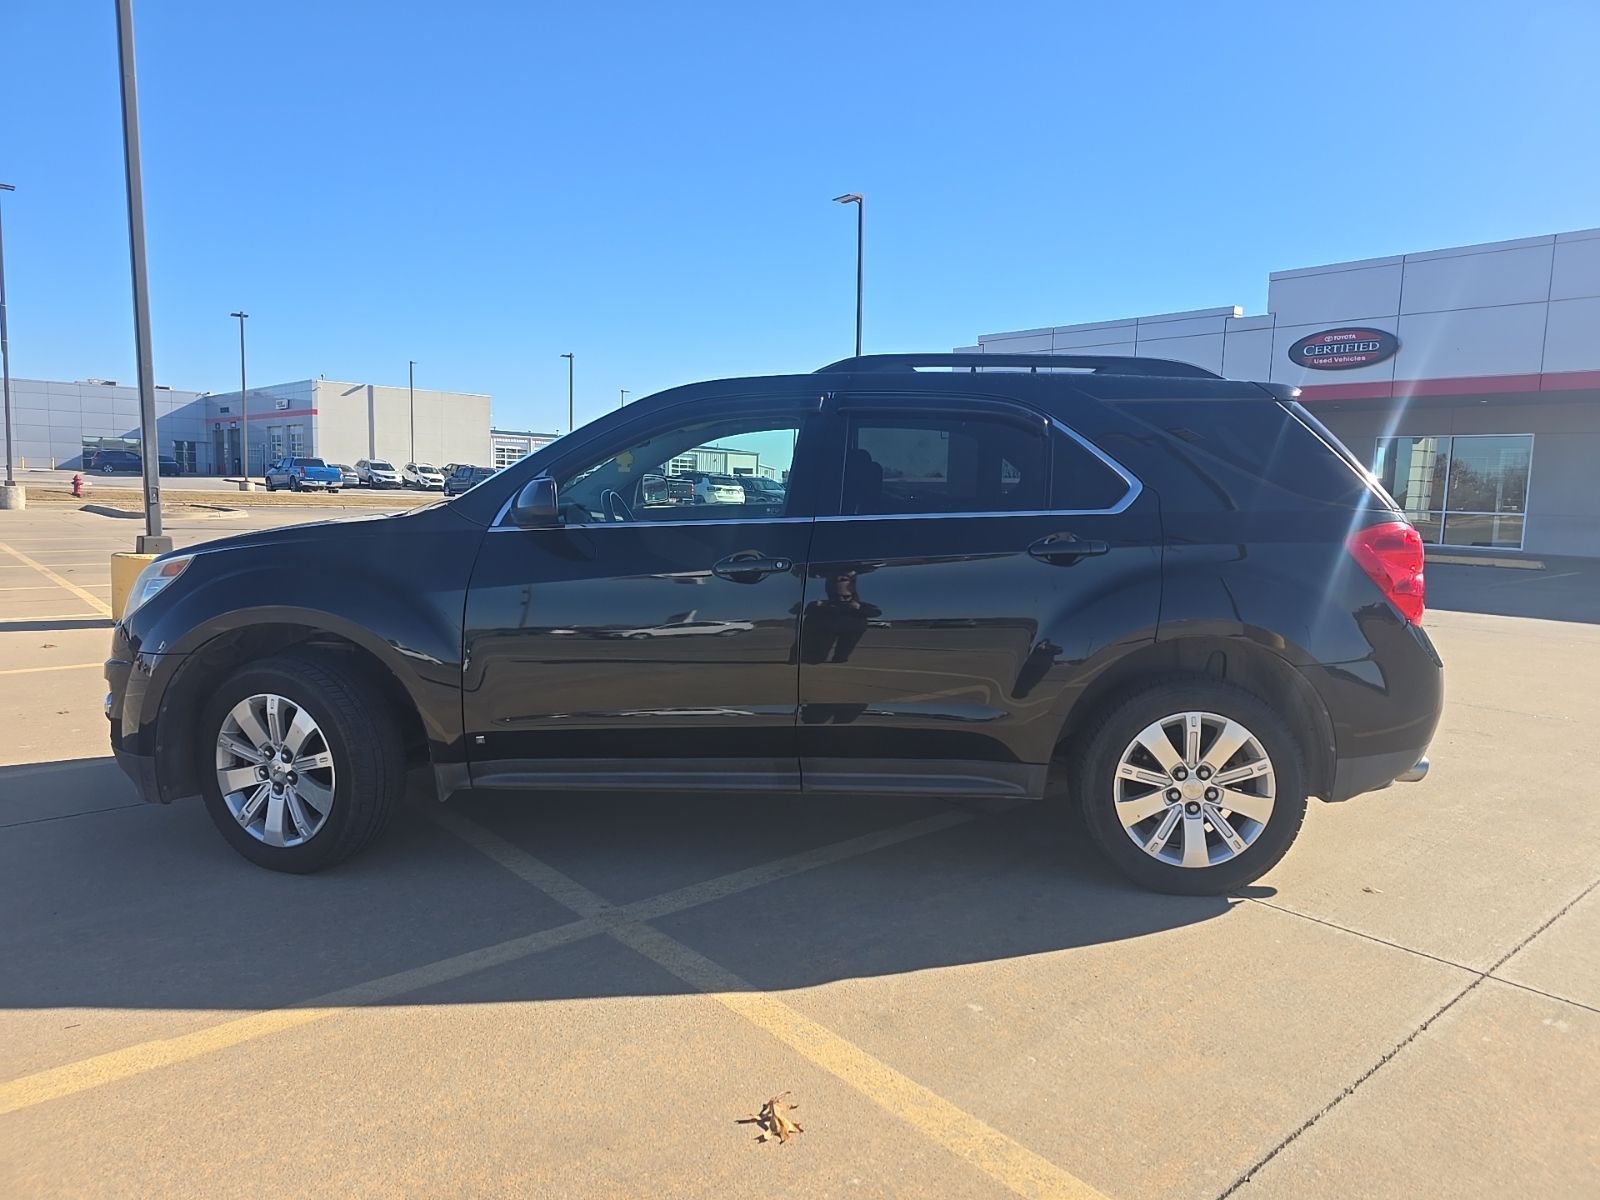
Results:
<point x="541" y="996"/>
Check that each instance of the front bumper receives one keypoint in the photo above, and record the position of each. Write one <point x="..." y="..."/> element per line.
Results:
<point x="129" y="706"/>
<point x="141" y="768"/>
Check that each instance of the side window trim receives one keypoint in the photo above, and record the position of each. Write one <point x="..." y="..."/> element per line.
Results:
<point x="1134" y="485"/>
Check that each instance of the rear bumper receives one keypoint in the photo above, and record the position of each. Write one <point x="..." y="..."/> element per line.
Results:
<point x="1368" y="773"/>
<point x="1383" y="710"/>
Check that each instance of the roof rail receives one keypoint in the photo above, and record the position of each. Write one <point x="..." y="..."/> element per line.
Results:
<point x="1099" y="364"/>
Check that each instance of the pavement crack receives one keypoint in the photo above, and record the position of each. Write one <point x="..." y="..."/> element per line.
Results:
<point x="69" y="816"/>
<point x="1350" y="1088"/>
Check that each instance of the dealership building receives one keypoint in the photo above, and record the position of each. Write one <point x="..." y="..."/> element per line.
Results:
<point x="61" y="425"/>
<point x="1467" y="378"/>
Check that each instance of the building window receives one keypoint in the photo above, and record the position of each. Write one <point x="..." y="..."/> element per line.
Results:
<point x="274" y="442"/>
<point x="183" y="452"/>
<point x="1465" y="490"/>
<point x="297" y="440"/>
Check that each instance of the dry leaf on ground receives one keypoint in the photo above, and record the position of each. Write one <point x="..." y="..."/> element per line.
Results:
<point x="772" y="1122"/>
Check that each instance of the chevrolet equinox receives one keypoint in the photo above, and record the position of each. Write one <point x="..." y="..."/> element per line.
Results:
<point x="1181" y="593"/>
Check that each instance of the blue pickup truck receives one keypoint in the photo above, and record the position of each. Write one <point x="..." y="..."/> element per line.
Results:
<point x="303" y="474"/>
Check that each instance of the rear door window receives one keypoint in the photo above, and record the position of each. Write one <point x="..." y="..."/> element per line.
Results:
<point x="903" y="464"/>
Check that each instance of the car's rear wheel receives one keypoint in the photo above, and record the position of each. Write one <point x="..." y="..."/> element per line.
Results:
<point x="301" y="765"/>
<point x="1193" y="786"/>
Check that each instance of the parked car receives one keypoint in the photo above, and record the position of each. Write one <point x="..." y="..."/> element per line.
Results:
<point x="1180" y="592"/>
<point x="758" y="489"/>
<point x="107" y="462"/>
<point x="464" y="478"/>
<point x="347" y="475"/>
<point x="377" y="473"/>
<point x="422" y="475"/>
<point x="717" y="489"/>
<point x="303" y="474"/>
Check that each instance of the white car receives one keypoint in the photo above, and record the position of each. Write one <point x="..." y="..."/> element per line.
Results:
<point x="717" y="489"/>
<point x="423" y="475"/>
<point x="689" y="628"/>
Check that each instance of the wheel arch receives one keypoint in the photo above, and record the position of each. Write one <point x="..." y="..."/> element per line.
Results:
<point x="204" y="669"/>
<point x="1238" y="661"/>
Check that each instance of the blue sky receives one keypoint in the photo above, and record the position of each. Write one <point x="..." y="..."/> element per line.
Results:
<point x="482" y="186"/>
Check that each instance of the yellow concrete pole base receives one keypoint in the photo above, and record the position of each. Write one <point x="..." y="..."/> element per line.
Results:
<point x="125" y="568"/>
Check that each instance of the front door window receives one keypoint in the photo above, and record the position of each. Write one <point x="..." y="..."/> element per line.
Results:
<point x="735" y="469"/>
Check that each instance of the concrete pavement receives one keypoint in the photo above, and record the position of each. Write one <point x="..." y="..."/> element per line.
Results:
<point x="580" y="996"/>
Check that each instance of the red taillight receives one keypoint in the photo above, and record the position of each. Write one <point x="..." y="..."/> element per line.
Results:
<point x="1392" y="554"/>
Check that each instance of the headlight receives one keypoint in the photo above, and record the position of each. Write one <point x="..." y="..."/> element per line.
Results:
<point x="152" y="579"/>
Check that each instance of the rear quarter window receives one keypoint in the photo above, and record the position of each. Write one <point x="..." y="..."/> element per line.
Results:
<point x="1234" y="454"/>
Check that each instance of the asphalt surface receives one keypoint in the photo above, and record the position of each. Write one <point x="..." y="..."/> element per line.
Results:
<point x="531" y="996"/>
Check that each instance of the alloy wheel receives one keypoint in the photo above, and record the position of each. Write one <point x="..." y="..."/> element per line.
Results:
<point x="275" y="770"/>
<point x="1194" y="789"/>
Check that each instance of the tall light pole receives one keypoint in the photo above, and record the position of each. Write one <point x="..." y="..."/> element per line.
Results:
<point x="12" y="497"/>
<point x="622" y="397"/>
<point x="861" y="243"/>
<point x="153" y="542"/>
<point x="571" y="425"/>
<point x="411" y="387"/>
<point x="244" y="410"/>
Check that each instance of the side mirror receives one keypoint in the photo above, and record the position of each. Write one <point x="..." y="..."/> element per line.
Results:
<point x="535" y="505"/>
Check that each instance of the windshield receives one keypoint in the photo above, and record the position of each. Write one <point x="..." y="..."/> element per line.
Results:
<point x="380" y="466"/>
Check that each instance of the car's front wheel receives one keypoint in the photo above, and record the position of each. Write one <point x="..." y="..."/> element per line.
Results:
<point x="301" y="765"/>
<point x="1193" y="787"/>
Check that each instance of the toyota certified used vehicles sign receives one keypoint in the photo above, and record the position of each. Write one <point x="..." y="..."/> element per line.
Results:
<point x="1344" y="349"/>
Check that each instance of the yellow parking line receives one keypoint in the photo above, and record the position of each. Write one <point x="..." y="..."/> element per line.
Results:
<point x="71" y="1078"/>
<point x="60" y="667"/>
<point x="93" y="601"/>
<point x="1000" y="1157"/>
<point x="77" y="616"/>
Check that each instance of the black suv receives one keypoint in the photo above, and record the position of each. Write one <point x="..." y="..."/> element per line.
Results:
<point x="1180" y="592"/>
<point x="108" y="462"/>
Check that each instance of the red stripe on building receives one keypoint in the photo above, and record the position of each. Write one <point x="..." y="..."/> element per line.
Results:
<point x="1466" y="385"/>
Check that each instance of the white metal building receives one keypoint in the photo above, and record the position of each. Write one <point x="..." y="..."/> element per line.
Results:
<point x="345" y="422"/>
<point x="1468" y="378"/>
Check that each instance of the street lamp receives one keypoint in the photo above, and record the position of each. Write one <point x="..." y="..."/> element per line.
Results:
<point x="244" y="410"/>
<point x="411" y="387"/>
<point x="11" y="496"/>
<point x="570" y="423"/>
<point x="622" y="397"/>
<point x="861" y="238"/>
<point x="153" y="541"/>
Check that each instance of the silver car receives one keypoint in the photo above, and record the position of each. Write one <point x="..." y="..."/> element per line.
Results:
<point x="377" y="473"/>
<point x="347" y="475"/>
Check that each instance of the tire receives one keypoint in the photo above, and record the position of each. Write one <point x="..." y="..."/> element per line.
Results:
<point x="270" y="486"/>
<point x="107" y="470"/>
<point x="333" y="491"/>
<point x="352" y="724"/>
<point x="1097" y="787"/>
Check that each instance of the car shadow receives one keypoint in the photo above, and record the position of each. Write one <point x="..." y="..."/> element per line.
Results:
<point x="116" y="904"/>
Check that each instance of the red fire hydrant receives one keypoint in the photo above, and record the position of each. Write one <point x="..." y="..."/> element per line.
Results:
<point x="77" y="485"/>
